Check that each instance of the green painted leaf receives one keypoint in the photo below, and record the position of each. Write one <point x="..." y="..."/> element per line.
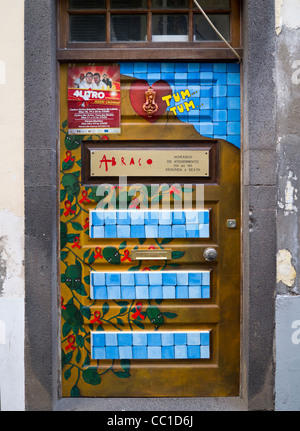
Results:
<point x="68" y="357"/>
<point x="91" y="258"/>
<point x="79" y="163"/>
<point x="78" y="356"/>
<point x="66" y="329"/>
<point x="121" y="374"/>
<point x="105" y="308"/>
<point x="173" y="265"/>
<point x="170" y="315"/>
<point x="188" y="189"/>
<point x="81" y="290"/>
<point x="76" y="226"/>
<point x="87" y="279"/>
<point x="86" y="253"/>
<point x="80" y="340"/>
<point x="166" y="240"/>
<point x="63" y="194"/>
<point x="138" y="324"/>
<point x="91" y="376"/>
<point x="86" y="361"/>
<point x="67" y="374"/>
<point x="154" y="267"/>
<point x="156" y="198"/>
<point x="71" y="237"/>
<point x="72" y="316"/>
<point x="75" y="392"/>
<point x="86" y="312"/>
<point x="122" y="303"/>
<point x="119" y="321"/>
<point x="67" y="165"/>
<point x="177" y="197"/>
<point x="123" y="245"/>
<point x="177" y="254"/>
<point x="125" y="364"/>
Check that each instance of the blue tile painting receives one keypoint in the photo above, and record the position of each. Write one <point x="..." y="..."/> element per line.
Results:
<point x="212" y="94"/>
<point x="149" y="224"/>
<point x="151" y="345"/>
<point x="150" y="285"/>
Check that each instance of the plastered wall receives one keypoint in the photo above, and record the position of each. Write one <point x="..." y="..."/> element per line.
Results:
<point x="12" y="205"/>
<point x="287" y="78"/>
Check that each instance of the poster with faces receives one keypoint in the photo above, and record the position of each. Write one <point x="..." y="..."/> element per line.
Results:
<point x="94" y="99"/>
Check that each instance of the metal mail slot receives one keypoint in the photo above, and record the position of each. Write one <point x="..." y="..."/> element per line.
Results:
<point x="151" y="254"/>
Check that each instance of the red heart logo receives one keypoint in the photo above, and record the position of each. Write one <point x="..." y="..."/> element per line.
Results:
<point x="137" y="96"/>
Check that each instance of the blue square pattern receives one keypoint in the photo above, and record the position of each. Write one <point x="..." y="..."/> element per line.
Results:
<point x="156" y="224"/>
<point x="169" y="292"/>
<point x="99" y="292"/>
<point x="217" y="83"/>
<point x="139" y="352"/>
<point x="182" y="292"/>
<point x="113" y="292"/>
<point x="128" y="292"/>
<point x="98" y="278"/>
<point x="151" y="345"/>
<point x="142" y="292"/>
<point x="98" y="231"/>
<point x="127" y="279"/>
<point x="113" y="278"/>
<point x="137" y="231"/>
<point x="150" y="285"/>
<point x="155" y="292"/>
<point x="110" y="231"/>
<point x="123" y="231"/>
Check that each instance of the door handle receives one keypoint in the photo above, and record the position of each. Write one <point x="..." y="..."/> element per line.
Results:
<point x="210" y="254"/>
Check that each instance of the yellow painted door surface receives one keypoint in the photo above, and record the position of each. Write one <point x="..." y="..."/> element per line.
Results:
<point x="153" y="327"/>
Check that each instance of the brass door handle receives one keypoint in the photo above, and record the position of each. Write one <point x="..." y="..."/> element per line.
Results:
<point x="210" y="254"/>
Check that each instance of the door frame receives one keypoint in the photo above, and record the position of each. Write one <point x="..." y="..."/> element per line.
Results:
<point x="42" y="305"/>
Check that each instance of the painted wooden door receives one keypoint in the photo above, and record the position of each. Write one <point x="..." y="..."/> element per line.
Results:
<point x="150" y="294"/>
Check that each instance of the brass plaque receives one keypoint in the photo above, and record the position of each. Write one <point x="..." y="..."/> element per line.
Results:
<point x="151" y="254"/>
<point x="149" y="163"/>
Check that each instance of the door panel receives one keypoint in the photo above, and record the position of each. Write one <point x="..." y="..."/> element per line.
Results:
<point x="143" y="313"/>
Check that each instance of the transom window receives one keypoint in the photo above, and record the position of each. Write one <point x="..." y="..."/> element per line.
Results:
<point x="105" y="21"/>
<point x="155" y="24"/>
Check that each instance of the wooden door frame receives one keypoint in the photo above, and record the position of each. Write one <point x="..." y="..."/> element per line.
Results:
<point x="42" y="366"/>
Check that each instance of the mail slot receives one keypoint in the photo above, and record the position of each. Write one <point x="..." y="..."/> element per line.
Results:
<point x="151" y="254"/>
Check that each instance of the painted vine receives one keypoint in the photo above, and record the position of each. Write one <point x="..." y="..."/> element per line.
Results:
<point x="76" y="307"/>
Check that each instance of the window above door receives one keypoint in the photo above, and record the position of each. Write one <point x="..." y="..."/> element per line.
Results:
<point x="159" y="28"/>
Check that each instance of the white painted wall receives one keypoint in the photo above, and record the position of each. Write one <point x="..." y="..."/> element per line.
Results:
<point x="12" y="205"/>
